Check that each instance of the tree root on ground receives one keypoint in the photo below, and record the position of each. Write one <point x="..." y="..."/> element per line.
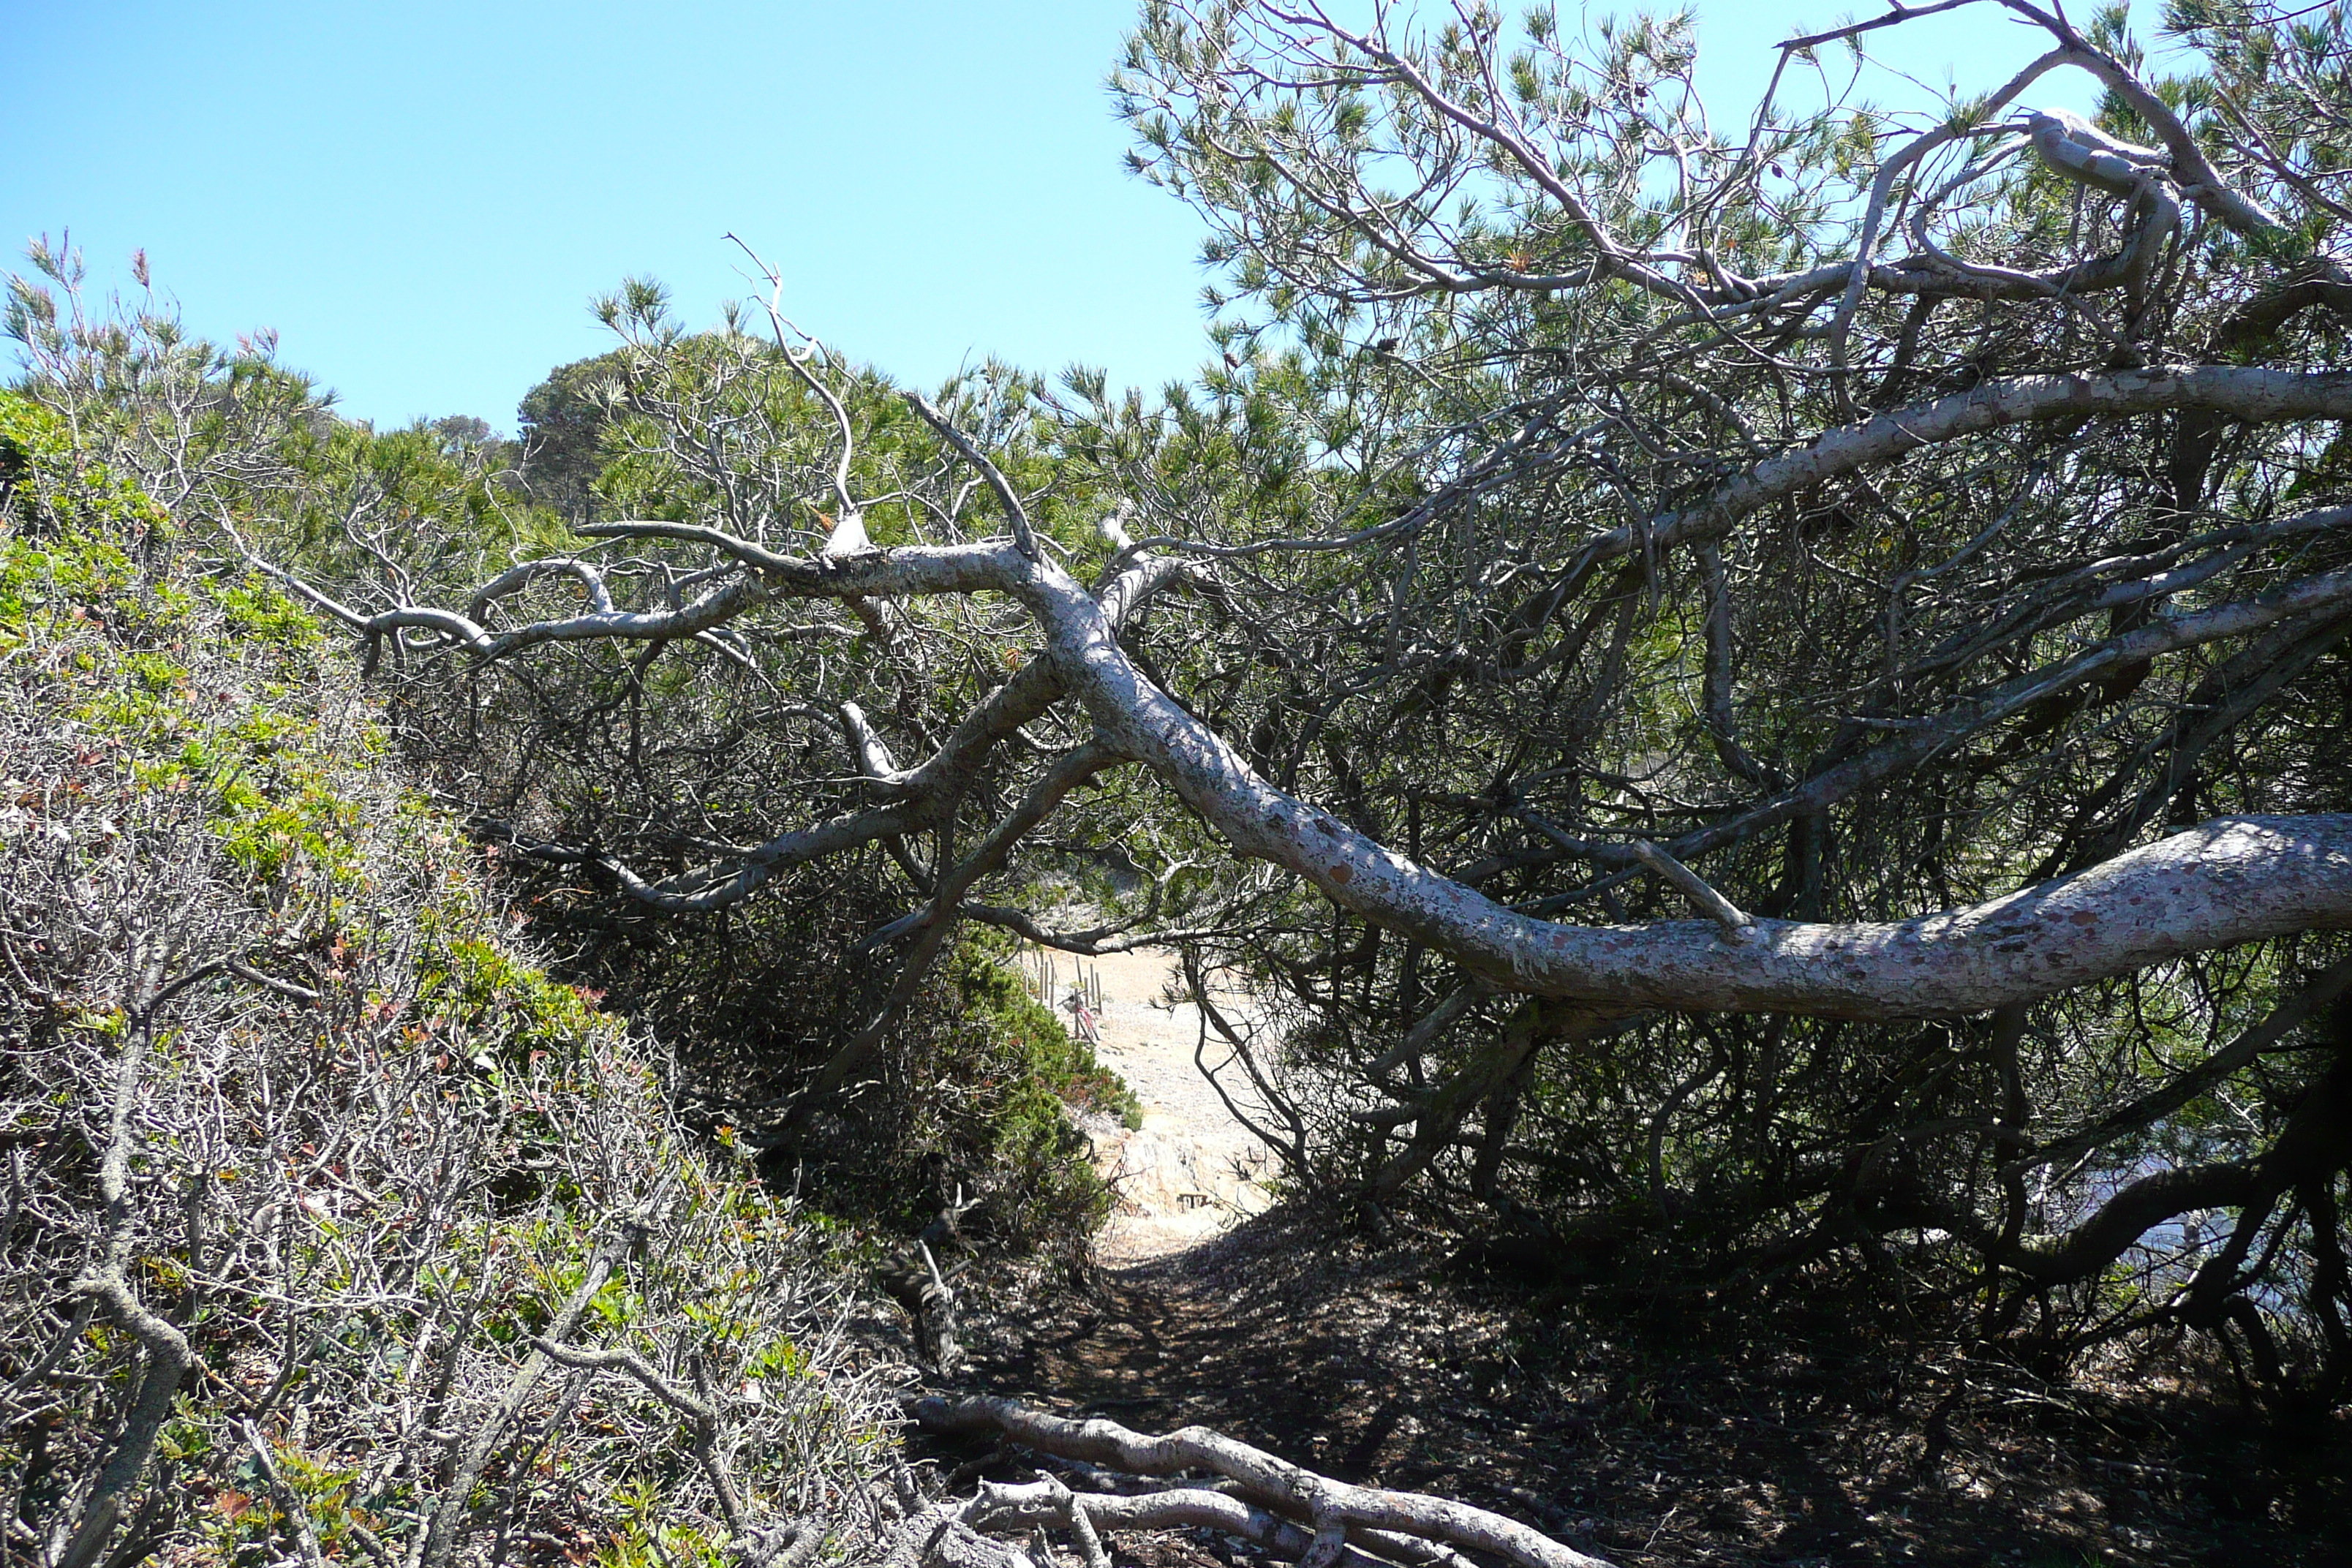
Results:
<point x="1247" y="1494"/>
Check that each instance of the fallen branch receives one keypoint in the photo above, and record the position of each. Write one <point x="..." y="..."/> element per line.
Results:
<point x="1372" y="1518"/>
<point x="1015" y="1508"/>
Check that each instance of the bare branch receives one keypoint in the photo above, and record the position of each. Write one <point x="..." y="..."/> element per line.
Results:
<point x="1014" y="512"/>
<point x="1272" y="1482"/>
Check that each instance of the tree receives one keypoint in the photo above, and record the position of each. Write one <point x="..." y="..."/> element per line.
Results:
<point x="562" y="421"/>
<point x="1917" y="542"/>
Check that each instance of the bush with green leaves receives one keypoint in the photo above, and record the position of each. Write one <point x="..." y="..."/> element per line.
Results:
<point x="335" y="1228"/>
<point x="646" y="757"/>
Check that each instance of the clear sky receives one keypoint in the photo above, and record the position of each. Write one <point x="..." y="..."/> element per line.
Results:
<point x="421" y="197"/>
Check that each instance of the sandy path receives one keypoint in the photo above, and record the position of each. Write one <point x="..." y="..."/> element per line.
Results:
<point x="1192" y="1171"/>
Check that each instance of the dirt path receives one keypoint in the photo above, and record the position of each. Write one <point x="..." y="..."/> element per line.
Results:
<point x="1192" y="1171"/>
<point x="1655" y="1437"/>
<point x="1654" y="1440"/>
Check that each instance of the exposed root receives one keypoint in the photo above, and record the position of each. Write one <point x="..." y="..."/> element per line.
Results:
<point x="1250" y="1494"/>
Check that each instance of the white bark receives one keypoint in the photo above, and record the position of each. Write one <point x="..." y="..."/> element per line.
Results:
<point x="2218" y="885"/>
<point x="1372" y="1516"/>
<point x="2225" y="882"/>
<point x="2231" y="391"/>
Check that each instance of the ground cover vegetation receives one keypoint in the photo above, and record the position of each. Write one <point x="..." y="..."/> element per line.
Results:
<point x="1757" y="703"/>
<point x="337" y="1226"/>
<point x="313" y="1169"/>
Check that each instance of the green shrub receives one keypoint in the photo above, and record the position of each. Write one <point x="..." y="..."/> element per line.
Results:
<point x="363" y="1146"/>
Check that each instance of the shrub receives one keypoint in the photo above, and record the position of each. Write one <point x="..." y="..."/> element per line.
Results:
<point x="310" y="1157"/>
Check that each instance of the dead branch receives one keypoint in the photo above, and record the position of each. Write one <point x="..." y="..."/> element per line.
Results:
<point x="1368" y="1515"/>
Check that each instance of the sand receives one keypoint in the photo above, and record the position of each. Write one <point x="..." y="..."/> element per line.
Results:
<point x="1192" y="1171"/>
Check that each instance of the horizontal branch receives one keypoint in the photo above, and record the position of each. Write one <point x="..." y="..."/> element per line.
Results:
<point x="2229" y="882"/>
<point x="2226" y="882"/>
<point x="1098" y="942"/>
<point x="728" y="881"/>
<point x="1276" y="1482"/>
<point x="1041" y="1504"/>
<point x="2233" y="391"/>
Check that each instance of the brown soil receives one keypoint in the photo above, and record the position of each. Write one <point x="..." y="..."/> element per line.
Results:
<point x="1654" y="1444"/>
<point x="1809" y="1433"/>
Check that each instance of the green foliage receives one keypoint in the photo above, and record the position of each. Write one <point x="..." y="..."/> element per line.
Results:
<point x="185" y="781"/>
<point x="980" y="1086"/>
<point x="1063" y="1064"/>
<point x="340" y="502"/>
<point x="52" y="484"/>
<point x="564" y="419"/>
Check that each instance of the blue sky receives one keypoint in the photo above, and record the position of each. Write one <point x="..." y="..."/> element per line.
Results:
<point x="421" y="197"/>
